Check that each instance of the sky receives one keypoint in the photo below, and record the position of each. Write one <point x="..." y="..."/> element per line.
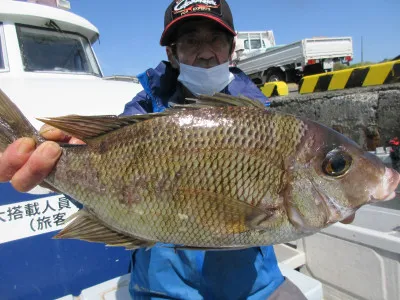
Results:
<point x="130" y="30"/>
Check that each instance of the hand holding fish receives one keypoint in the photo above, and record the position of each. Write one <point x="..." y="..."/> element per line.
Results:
<point x="25" y="166"/>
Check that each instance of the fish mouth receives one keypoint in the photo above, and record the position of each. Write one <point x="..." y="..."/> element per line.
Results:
<point x="387" y="189"/>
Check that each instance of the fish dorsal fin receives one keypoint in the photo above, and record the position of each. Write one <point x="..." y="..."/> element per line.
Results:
<point x="87" y="128"/>
<point x="87" y="227"/>
<point x="220" y="99"/>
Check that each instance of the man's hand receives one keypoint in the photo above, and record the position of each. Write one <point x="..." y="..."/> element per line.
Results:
<point x="25" y="166"/>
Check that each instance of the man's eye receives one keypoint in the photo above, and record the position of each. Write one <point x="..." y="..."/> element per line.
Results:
<point x="221" y="37"/>
<point x="188" y="40"/>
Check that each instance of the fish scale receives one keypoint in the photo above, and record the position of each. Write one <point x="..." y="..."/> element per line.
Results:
<point x="208" y="160"/>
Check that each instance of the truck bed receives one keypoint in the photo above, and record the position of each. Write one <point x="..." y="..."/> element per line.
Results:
<point x="298" y="53"/>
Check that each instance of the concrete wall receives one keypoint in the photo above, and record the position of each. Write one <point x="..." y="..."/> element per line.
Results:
<point x="370" y="116"/>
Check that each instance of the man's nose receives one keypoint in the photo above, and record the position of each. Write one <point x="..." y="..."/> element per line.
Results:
<point x="205" y="52"/>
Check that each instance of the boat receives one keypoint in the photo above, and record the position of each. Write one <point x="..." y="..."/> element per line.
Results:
<point x="48" y="68"/>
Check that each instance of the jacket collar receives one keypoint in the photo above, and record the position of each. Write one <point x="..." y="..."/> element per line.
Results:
<point x="162" y="86"/>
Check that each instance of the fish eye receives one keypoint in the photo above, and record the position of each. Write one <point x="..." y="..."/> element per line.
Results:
<point x="336" y="163"/>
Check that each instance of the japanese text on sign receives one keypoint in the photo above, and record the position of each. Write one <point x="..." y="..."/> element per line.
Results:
<point x="34" y="217"/>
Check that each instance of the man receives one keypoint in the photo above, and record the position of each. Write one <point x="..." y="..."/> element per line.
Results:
<point x="199" y="40"/>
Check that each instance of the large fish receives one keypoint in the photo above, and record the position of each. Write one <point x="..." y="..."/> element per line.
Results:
<point x="224" y="173"/>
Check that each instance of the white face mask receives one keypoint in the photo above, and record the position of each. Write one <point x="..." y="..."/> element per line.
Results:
<point x="205" y="81"/>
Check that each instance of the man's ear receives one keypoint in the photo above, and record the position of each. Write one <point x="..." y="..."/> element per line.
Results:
<point x="171" y="57"/>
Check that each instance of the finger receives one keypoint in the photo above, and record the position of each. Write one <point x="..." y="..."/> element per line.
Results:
<point x="39" y="165"/>
<point x="53" y="134"/>
<point x="76" y="141"/>
<point x="14" y="157"/>
<point x="349" y="219"/>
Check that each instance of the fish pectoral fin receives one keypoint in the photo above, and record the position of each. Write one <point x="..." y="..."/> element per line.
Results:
<point x="87" y="227"/>
<point x="257" y="218"/>
<point x="236" y="216"/>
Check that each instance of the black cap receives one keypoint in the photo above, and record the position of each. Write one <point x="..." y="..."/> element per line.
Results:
<point x="178" y="10"/>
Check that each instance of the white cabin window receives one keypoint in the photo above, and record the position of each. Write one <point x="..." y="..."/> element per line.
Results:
<point x="255" y="44"/>
<point x="45" y="50"/>
<point x="3" y="52"/>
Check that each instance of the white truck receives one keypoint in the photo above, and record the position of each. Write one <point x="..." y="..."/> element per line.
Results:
<point x="257" y="54"/>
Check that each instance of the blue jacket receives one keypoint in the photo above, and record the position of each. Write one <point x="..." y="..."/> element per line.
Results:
<point x="163" y="273"/>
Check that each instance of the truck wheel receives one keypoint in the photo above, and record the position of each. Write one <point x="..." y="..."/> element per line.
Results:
<point x="276" y="76"/>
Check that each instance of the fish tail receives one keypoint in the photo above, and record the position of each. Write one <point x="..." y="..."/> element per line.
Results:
<point x="13" y="124"/>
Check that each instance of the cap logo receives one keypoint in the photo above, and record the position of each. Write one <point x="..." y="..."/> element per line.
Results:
<point x="182" y="7"/>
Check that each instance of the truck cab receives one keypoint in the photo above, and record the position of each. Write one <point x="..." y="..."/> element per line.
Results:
<point x="250" y="43"/>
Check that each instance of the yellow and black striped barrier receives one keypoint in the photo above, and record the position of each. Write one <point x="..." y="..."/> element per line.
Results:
<point x="276" y="88"/>
<point x="383" y="73"/>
